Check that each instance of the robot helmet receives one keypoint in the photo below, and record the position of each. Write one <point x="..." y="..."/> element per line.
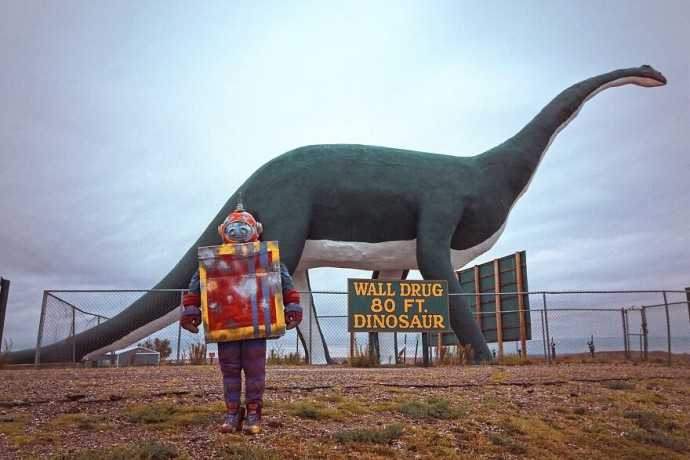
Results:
<point x="240" y="227"/>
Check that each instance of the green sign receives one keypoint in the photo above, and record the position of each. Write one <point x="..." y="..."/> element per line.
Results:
<point x="397" y="305"/>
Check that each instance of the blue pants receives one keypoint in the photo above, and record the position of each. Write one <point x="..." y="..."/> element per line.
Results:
<point x="250" y="356"/>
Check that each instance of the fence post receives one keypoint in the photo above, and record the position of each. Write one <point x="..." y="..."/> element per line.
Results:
<point x="39" y="339"/>
<point x="625" y="334"/>
<point x="352" y="345"/>
<point x="425" y="349"/>
<point x="179" y="328"/>
<point x="74" y="335"/>
<point x="543" y="336"/>
<point x="4" y="293"/>
<point x="546" y="323"/>
<point x="687" y="296"/>
<point x="645" y="332"/>
<point x="668" y="327"/>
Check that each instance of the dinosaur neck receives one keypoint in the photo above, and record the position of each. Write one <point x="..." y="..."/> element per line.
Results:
<point x="515" y="161"/>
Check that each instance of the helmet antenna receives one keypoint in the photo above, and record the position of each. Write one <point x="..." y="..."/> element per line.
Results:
<point x="239" y="203"/>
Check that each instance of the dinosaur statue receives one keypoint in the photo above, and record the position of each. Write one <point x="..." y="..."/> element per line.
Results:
<point x="374" y="208"/>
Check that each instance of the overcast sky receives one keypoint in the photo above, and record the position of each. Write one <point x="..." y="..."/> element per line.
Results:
<point x="125" y="125"/>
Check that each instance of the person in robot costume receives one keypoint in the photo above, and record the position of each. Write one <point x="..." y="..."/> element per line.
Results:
<point x="248" y="354"/>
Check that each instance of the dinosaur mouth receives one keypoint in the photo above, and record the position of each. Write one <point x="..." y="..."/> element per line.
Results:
<point x="655" y="76"/>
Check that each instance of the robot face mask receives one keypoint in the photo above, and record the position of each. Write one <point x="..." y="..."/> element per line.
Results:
<point x="239" y="227"/>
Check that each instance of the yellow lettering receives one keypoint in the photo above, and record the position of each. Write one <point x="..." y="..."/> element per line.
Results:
<point x="427" y="322"/>
<point x="378" y="322"/>
<point x="415" y="324"/>
<point x="407" y="304"/>
<point x="390" y="292"/>
<point x="438" y="289"/>
<point x="360" y="288"/>
<point x="404" y="321"/>
<point x="438" y="322"/>
<point x="376" y="305"/>
<point x="359" y="321"/>
<point x="391" y="321"/>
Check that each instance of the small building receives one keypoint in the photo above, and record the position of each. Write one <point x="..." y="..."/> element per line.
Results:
<point x="134" y="356"/>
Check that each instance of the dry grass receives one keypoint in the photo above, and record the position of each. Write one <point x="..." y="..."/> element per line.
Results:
<point x="568" y="410"/>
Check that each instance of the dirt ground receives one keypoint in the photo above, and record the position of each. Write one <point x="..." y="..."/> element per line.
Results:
<point x="533" y="411"/>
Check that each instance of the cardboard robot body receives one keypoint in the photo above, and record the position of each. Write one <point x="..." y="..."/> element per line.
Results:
<point x="241" y="291"/>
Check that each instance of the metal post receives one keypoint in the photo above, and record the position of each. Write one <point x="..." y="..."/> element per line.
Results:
<point x="74" y="335"/>
<point x="546" y="322"/>
<point x="352" y="345"/>
<point x="179" y="328"/>
<point x="645" y="332"/>
<point x="625" y="334"/>
<point x="4" y="293"/>
<point x="668" y="327"/>
<point x="543" y="337"/>
<point x="395" y="347"/>
<point x="687" y="296"/>
<point x="39" y="339"/>
<point x="425" y="349"/>
<point x="311" y="339"/>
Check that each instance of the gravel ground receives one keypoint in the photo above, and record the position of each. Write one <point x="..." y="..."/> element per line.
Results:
<point x="35" y="405"/>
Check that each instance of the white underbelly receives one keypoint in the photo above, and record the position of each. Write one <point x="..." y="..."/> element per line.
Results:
<point x="389" y="255"/>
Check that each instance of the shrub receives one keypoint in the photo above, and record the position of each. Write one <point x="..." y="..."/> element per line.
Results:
<point x="150" y="450"/>
<point x="5" y="355"/>
<point x="197" y="353"/>
<point x="364" y="357"/>
<point x="619" y="385"/>
<point x="516" y="447"/>
<point x="435" y="407"/>
<point x="371" y="435"/>
<point x="291" y="359"/>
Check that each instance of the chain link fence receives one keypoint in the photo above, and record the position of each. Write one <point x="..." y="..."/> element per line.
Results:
<point x="558" y="324"/>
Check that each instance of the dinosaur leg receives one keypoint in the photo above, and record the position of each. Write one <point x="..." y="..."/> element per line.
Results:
<point x="291" y="232"/>
<point x="309" y="329"/>
<point x="434" y="264"/>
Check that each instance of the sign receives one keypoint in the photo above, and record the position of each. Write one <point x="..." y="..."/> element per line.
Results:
<point x="397" y="305"/>
<point x="498" y="300"/>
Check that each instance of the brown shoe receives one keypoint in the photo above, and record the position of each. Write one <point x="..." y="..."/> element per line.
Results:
<point x="233" y="422"/>
<point x="253" y="421"/>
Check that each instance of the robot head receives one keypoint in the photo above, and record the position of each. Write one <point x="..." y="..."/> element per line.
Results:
<point x="240" y="227"/>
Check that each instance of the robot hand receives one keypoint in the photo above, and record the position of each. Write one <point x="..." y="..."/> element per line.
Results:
<point x="293" y="315"/>
<point x="191" y="316"/>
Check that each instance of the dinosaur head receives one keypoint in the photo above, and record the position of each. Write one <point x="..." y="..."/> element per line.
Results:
<point x="650" y="76"/>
